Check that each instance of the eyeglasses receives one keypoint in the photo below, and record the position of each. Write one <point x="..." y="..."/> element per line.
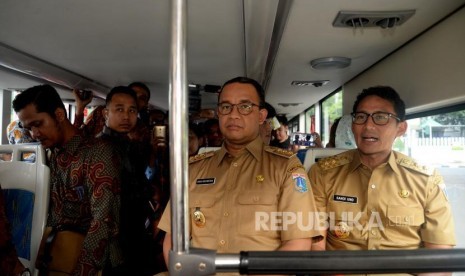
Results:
<point x="242" y="108"/>
<point x="379" y="118"/>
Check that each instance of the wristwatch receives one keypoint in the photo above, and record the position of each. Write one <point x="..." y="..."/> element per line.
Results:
<point x="26" y="272"/>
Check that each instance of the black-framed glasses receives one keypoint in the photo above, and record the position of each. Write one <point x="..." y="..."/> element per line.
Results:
<point x="243" y="108"/>
<point x="379" y="118"/>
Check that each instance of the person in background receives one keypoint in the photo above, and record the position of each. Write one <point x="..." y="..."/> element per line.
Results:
<point x="282" y="139"/>
<point x="142" y="131"/>
<point x="143" y="97"/>
<point x="84" y="179"/>
<point x="17" y="134"/>
<point x="136" y="215"/>
<point x="10" y="265"/>
<point x="332" y="134"/>
<point x="95" y="121"/>
<point x="195" y="139"/>
<point x="399" y="203"/>
<point x="244" y="177"/>
<point x="270" y="124"/>
<point x="213" y="135"/>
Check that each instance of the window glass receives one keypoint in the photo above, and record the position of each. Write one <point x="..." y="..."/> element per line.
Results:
<point x="310" y="120"/>
<point x="331" y="108"/>
<point x="439" y="141"/>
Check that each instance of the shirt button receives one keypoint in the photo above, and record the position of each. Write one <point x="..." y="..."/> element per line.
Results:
<point x="234" y="164"/>
<point x="373" y="186"/>
<point x="222" y="242"/>
<point x="255" y="199"/>
<point x="373" y="232"/>
<point x="226" y="214"/>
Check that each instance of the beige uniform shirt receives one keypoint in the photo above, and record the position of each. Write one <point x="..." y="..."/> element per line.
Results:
<point x="241" y="200"/>
<point x="398" y="205"/>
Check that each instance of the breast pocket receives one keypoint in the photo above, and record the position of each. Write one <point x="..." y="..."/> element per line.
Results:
<point x="258" y="214"/>
<point x="202" y="214"/>
<point x="345" y="221"/>
<point x="403" y="224"/>
<point x="404" y="215"/>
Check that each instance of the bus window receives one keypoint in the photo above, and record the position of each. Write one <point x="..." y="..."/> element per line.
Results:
<point x="310" y="120"/>
<point x="331" y="110"/>
<point x="439" y="141"/>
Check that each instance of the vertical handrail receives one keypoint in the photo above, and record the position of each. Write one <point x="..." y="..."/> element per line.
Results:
<point x="178" y="128"/>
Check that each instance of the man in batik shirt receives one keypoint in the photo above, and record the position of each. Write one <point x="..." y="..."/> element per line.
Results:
<point x="84" y="181"/>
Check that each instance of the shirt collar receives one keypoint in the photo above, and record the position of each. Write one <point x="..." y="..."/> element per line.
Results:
<point x="255" y="148"/>
<point x="356" y="162"/>
<point x="72" y="146"/>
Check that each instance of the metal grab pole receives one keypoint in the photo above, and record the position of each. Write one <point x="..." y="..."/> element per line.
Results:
<point x="178" y="128"/>
<point x="349" y="262"/>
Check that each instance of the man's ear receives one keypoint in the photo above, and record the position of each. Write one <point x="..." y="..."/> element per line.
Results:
<point x="105" y="113"/>
<point x="60" y="114"/>
<point x="262" y="115"/>
<point x="401" y="128"/>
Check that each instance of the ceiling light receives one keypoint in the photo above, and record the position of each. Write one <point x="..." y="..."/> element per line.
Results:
<point x="330" y="63"/>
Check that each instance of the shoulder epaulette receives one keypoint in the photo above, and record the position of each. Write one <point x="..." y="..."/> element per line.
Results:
<point x="201" y="156"/>
<point x="331" y="162"/>
<point x="409" y="163"/>
<point x="279" y="152"/>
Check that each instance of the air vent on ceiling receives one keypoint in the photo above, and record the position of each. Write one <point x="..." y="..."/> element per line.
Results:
<point x="318" y="83"/>
<point x="364" y="19"/>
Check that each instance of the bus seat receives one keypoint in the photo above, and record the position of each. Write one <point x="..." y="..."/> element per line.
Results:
<point x="344" y="135"/>
<point x="301" y="155"/>
<point x="207" y="149"/>
<point x="25" y="183"/>
<point x="314" y="154"/>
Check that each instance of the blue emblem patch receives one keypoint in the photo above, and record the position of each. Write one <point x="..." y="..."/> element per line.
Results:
<point x="300" y="182"/>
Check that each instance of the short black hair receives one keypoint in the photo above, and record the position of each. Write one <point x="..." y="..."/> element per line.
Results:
<point x="141" y="85"/>
<point x="209" y="123"/>
<point x="270" y="109"/>
<point x="258" y="87"/>
<point x="120" y="90"/>
<point x="196" y="129"/>
<point x="282" y="120"/>
<point x="44" y="97"/>
<point x="384" y="92"/>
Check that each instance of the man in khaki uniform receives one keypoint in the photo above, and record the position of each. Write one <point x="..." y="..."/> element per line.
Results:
<point x="237" y="194"/>
<point x="376" y="198"/>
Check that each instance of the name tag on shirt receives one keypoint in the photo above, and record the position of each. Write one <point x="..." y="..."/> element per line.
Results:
<point x="343" y="198"/>
<point x="205" y="181"/>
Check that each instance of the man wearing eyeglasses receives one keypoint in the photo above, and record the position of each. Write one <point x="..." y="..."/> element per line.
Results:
<point x="377" y="198"/>
<point x="237" y="193"/>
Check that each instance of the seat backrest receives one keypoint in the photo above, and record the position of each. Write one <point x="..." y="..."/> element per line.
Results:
<point x="25" y="183"/>
<point x="344" y="135"/>
<point x="314" y="154"/>
<point x="207" y="149"/>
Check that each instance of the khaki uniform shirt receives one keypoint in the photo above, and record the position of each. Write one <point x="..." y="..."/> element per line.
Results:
<point x="235" y="202"/>
<point x="398" y="205"/>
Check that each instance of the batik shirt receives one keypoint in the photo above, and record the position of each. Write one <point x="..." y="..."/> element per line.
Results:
<point x="84" y="195"/>
<point x="94" y="122"/>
